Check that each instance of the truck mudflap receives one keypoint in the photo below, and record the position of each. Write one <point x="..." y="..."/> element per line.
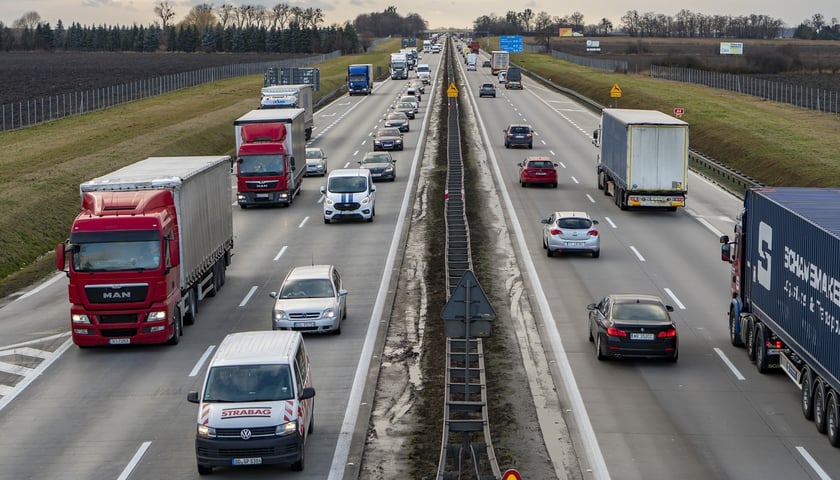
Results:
<point x="671" y="201"/>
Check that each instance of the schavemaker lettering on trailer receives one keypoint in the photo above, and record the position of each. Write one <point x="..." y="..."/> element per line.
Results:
<point x="245" y="412"/>
<point x="812" y="275"/>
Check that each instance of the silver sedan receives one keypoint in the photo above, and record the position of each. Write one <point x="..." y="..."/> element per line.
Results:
<point x="571" y="232"/>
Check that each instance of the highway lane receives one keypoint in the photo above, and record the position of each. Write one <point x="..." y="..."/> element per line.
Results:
<point x="695" y="419"/>
<point x="109" y="413"/>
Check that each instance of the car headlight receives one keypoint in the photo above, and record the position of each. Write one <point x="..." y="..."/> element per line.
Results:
<point x="80" y="318"/>
<point x="280" y="315"/>
<point x="156" y="316"/>
<point x="288" y="428"/>
<point x="389" y="168"/>
<point x="365" y="201"/>
<point x="329" y="313"/>
<point x="205" y="431"/>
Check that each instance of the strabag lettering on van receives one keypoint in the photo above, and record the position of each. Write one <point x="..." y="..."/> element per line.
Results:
<point x="245" y="412"/>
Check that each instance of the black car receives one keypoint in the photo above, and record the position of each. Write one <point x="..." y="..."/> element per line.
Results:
<point x="630" y="325"/>
<point x="519" y="135"/>
<point x="388" y="138"/>
<point x="486" y="64"/>
<point x="398" y="120"/>
<point x="487" y="90"/>
<point x="381" y="165"/>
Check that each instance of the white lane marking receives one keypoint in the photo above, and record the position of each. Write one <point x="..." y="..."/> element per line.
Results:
<point x="726" y="219"/>
<point x="15" y="369"/>
<point x="561" y="164"/>
<point x="729" y="364"/>
<point x="321" y="198"/>
<point x="200" y="363"/>
<point x="552" y="153"/>
<point x="346" y="165"/>
<point x="813" y="463"/>
<point x="609" y="220"/>
<point x="575" y="180"/>
<point x="42" y="286"/>
<point x="134" y="461"/>
<point x="29" y="352"/>
<point x="674" y="298"/>
<point x="248" y="296"/>
<point x="709" y="226"/>
<point x="591" y="200"/>
<point x="30" y="342"/>
<point x="36" y="372"/>
<point x="303" y="222"/>
<point x="638" y="255"/>
<point x="280" y="253"/>
<point x="355" y="153"/>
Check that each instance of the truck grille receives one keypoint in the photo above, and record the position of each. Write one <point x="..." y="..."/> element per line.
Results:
<point x="118" y="332"/>
<point x="128" y="293"/>
<point x="262" y="185"/>
<point x="106" y="319"/>
<point x="346" y="206"/>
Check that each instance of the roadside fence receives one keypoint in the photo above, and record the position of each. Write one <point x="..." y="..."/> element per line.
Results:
<point x="606" y="65"/>
<point x="39" y="110"/>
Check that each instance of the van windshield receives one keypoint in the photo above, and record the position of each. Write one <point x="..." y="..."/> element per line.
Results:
<point x="248" y="383"/>
<point x="348" y="184"/>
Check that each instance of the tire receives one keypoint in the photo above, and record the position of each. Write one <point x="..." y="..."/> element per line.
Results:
<point x="606" y="186"/>
<point x="673" y="358"/>
<point x="337" y="331"/>
<point x="622" y="204"/>
<point x="549" y="252"/>
<point x="298" y="466"/>
<point x="311" y="428"/>
<point x="507" y="145"/>
<point x="596" y="254"/>
<point x="591" y="338"/>
<point x="204" y="469"/>
<point x="832" y="416"/>
<point x="734" y="338"/>
<point x="179" y="329"/>
<point x="750" y="341"/>
<point x="189" y="319"/>
<point x="807" y="394"/>
<point x="326" y="220"/>
<point x="600" y="180"/>
<point x="530" y="146"/>
<point x="819" y="406"/>
<point x="291" y="197"/>
<point x="522" y="184"/>
<point x="760" y="350"/>
<point x="215" y="274"/>
<point x="554" y="185"/>
<point x="243" y="206"/>
<point x="599" y="354"/>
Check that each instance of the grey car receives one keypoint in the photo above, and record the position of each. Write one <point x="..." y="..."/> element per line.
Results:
<point x="387" y="138"/>
<point x="571" y="232"/>
<point x="397" y="120"/>
<point x="633" y="325"/>
<point x="382" y="165"/>
<point x="316" y="162"/>
<point x="311" y="299"/>
<point x="406" y="108"/>
<point x="519" y="135"/>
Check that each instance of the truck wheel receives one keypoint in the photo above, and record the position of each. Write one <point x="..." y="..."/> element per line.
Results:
<point x="807" y="396"/>
<point x="734" y="336"/>
<point x="760" y="349"/>
<point x="178" y="327"/>
<point x="819" y="405"/>
<point x="204" y="469"/>
<point x="291" y="197"/>
<point x="832" y="416"/>
<point x="192" y="311"/>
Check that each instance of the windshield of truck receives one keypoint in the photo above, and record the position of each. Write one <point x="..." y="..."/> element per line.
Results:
<point x="248" y="383"/>
<point x="358" y="78"/>
<point x="256" y="165"/>
<point x="115" y="254"/>
<point x="348" y="184"/>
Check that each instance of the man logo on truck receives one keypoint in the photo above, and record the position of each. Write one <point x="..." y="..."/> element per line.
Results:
<point x="765" y="248"/>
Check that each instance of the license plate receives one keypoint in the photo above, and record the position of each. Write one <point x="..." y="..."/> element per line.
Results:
<point x="246" y="461"/>
<point x="540" y="173"/>
<point x="306" y="324"/>
<point x="262" y="195"/>
<point x="575" y="244"/>
<point x="375" y="174"/>
<point x="119" y="341"/>
<point x="641" y="336"/>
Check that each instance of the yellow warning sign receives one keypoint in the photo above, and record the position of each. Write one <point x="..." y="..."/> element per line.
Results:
<point x="452" y="91"/>
<point x="615" y="91"/>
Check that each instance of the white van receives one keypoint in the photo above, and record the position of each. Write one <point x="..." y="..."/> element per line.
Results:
<point x="257" y="403"/>
<point x="349" y="193"/>
<point x="424" y="73"/>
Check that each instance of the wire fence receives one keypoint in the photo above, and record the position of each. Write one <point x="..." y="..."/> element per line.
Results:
<point x="811" y="98"/>
<point x="606" y="65"/>
<point x="39" y="110"/>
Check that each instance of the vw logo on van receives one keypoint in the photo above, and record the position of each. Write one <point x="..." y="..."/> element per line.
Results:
<point x="245" y="434"/>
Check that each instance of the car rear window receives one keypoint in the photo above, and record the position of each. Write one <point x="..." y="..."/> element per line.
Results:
<point x="574" y="223"/>
<point x="639" y="311"/>
<point x="520" y="129"/>
<point x="540" y="164"/>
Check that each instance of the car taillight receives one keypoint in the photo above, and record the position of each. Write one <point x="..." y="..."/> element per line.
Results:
<point x="555" y="231"/>
<point x="670" y="333"/>
<point x="614" y="332"/>
<point x="592" y="233"/>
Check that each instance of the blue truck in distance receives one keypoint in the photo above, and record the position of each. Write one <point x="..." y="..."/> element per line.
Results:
<point x="785" y="292"/>
<point x="360" y="79"/>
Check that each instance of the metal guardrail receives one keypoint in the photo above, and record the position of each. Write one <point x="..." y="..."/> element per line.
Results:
<point x="466" y="447"/>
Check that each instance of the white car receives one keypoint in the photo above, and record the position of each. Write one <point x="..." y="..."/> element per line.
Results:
<point x="503" y="76"/>
<point x="571" y="232"/>
<point x="311" y="299"/>
<point x="316" y="161"/>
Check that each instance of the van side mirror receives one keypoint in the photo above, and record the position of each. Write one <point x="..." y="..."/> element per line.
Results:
<point x="192" y="397"/>
<point x="323" y="189"/>
<point x="307" y="392"/>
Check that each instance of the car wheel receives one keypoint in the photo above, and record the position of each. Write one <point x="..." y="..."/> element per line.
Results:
<point x="549" y="252"/>
<point x="673" y="358"/>
<point x="243" y="206"/>
<point x="591" y="338"/>
<point x="596" y="254"/>
<point x="326" y="220"/>
<point x="530" y="145"/>
<point x="734" y="337"/>
<point x="204" y="469"/>
<point x="337" y="330"/>
<point x="819" y="405"/>
<point x="760" y="349"/>
<point x="522" y="184"/>
<point x="507" y="145"/>
<point x="832" y="415"/>
<point x="599" y="352"/>
<point x="554" y="185"/>
<point x="807" y="394"/>
<point x="298" y="466"/>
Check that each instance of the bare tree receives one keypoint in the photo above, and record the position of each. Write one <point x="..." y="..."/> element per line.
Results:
<point x="296" y="16"/>
<point x="576" y="19"/>
<point x="165" y="11"/>
<point x="280" y="16"/>
<point x="525" y="18"/>
<point x="605" y="26"/>
<point x="201" y="17"/>
<point x="28" y="20"/>
<point x="227" y="12"/>
<point x="543" y="24"/>
<point x="315" y="17"/>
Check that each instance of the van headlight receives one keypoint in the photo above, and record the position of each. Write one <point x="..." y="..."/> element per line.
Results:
<point x="288" y="428"/>
<point x="365" y="201"/>
<point x="327" y="201"/>
<point x="205" y="431"/>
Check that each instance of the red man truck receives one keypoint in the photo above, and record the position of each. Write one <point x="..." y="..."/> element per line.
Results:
<point x="267" y="144"/>
<point x="151" y="241"/>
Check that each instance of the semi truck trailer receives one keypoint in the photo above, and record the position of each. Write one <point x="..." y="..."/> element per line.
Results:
<point x="291" y="96"/>
<point x="151" y="241"/>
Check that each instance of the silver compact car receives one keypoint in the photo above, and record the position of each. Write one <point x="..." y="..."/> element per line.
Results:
<point x="311" y="299"/>
<point x="571" y="232"/>
<point x="316" y="162"/>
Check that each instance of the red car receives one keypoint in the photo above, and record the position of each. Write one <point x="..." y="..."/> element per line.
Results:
<point x="537" y="170"/>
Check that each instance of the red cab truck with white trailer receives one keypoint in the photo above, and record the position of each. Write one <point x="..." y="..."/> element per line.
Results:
<point x="267" y="145"/>
<point x="152" y="239"/>
<point x="785" y="292"/>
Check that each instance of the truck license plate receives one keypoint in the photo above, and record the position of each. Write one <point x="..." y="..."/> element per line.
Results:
<point x="262" y="195"/>
<point x="247" y="461"/>
<point x="641" y="336"/>
<point x="119" y="341"/>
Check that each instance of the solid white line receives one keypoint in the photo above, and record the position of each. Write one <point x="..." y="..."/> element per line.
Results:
<point x="200" y="363"/>
<point x="674" y="298"/>
<point x="303" y="222"/>
<point x="609" y="220"/>
<point x="134" y="461"/>
<point x="709" y="226"/>
<point x="639" y="255"/>
<point x="37" y="371"/>
<point x="280" y="253"/>
<point x="248" y="296"/>
<point x="813" y="463"/>
<point x="729" y="364"/>
<point x="42" y="286"/>
<point x="15" y="369"/>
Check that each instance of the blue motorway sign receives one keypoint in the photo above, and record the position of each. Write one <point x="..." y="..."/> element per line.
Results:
<point x="511" y="43"/>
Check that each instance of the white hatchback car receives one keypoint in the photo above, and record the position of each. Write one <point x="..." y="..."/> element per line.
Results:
<point x="571" y="232"/>
<point x="311" y="299"/>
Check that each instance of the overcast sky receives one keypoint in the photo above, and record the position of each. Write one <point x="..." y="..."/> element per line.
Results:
<point x="438" y="13"/>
